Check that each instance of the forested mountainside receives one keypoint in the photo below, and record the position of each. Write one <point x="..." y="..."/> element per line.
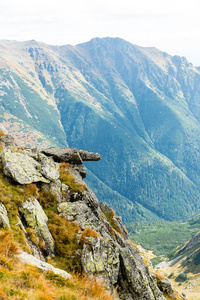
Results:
<point x="138" y="107"/>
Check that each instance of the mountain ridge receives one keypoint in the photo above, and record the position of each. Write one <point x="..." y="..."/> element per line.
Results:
<point x="138" y="107"/>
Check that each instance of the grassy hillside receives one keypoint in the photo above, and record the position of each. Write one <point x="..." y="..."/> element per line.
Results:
<point x="163" y="238"/>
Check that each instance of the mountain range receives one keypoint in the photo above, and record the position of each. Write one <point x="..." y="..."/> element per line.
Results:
<point x="137" y="107"/>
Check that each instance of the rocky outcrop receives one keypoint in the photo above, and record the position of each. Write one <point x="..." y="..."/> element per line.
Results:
<point x="64" y="154"/>
<point x="110" y="255"/>
<point x="89" y="156"/>
<point x="166" y="287"/>
<point x="33" y="216"/>
<point x="103" y="246"/>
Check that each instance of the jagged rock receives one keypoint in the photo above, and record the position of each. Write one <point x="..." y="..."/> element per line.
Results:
<point x="89" y="156"/>
<point x="107" y="210"/>
<point x="34" y="249"/>
<point x="110" y="256"/>
<point x="32" y="152"/>
<point x="34" y="216"/>
<point x="48" y="167"/>
<point x="80" y="169"/>
<point x="90" y="198"/>
<point x="4" y="221"/>
<point x="55" y="188"/>
<point x="101" y="257"/>
<point x="31" y="260"/>
<point x="64" y="154"/>
<point x="21" y="167"/>
<point x="134" y="277"/>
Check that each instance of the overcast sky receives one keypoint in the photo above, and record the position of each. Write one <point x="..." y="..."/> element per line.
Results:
<point x="170" y="25"/>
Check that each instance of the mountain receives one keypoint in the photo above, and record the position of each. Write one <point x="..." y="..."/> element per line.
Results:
<point x="57" y="240"/>
<point x="138" y="107"/>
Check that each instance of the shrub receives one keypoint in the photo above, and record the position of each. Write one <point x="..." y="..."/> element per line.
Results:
<point x="171" y="275"/>
<point x="66" y="243"/>
<point x="181" y="277"/>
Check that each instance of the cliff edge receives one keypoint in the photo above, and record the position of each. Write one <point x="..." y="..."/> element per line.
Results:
<point x="63" y="227"/>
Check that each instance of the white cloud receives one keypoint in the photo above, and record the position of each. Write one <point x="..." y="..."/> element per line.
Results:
<point x="170" y="25"/>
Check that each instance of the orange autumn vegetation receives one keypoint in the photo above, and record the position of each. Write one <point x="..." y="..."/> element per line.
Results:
<point x="88" y="232"/>
<point x="2" y="133"/>
<point x="20" y="281"/>
<point x="67" y="178"/>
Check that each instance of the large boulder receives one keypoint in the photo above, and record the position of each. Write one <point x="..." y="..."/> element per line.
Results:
<point x="48" y="167"/>
<point x="34" y="216"/>
<point x="66" y="154"/>
<point x="31" y="260"/>
<point x="29" y="166"/>
<point x="21" y="167"/>
<point x="109" y="255"/>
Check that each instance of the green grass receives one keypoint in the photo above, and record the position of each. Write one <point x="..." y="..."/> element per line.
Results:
<point x="162" y="237"/>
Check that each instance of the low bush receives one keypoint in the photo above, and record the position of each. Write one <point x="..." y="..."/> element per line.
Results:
<point x="181" y="277"/>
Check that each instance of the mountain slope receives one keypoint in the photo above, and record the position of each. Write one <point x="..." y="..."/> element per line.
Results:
<point x="137" y="107"/>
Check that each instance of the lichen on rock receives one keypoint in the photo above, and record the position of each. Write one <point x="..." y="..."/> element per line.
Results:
<point x="34" y="216"/>
<point x="21" y="167"/>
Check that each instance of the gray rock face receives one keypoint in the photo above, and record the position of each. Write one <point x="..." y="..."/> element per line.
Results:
<point x="106" y="251"/>
<point x="64" y="154"/>
<point x="101" y="257"/>
<point x="48" y="167"/>
<point x="107" y="210"/>
<point x="89" y="156"/>
<point x="80" y="169"/>
<point x="110" y="256"/>
<point x="31" y="260"/>
<point x="55" y="188"/>
<point x="35" y="217"/>
<point x="4" y="221"/>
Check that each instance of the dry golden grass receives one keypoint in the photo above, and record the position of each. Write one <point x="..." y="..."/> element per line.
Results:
<point x="2" y="133"/>
<point x="159" y="276"/>
<point x="88" y="232"/>
<point x="20" y="281"/>
<point x="190" y="287"/>
<point x="8" y="247"/>
<point x="134" y="245"/>
<point x="67" y="178"/>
